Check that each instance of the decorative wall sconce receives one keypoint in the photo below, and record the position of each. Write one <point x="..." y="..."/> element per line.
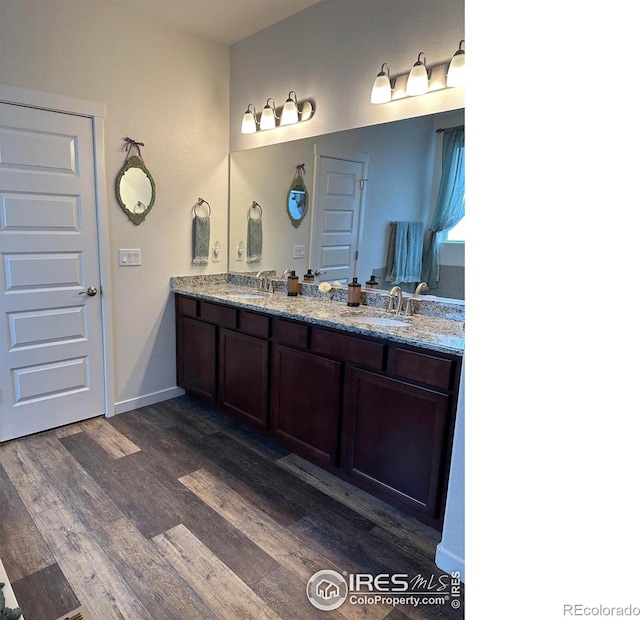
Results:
<point x="292" y="113"/>
<point x="417" y="82"/>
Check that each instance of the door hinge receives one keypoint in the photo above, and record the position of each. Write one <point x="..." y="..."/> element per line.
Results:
<point x="357" y="253"/>
<point x="362" y="182"/>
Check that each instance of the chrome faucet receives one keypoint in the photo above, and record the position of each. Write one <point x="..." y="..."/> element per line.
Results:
<point x="396" y="291"/>
<point x="285" y="273"/>
<point x="422" y="286"/>
<point x="263" y="281"/>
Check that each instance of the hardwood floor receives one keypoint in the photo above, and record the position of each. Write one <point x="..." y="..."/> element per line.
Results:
<point x="173" y="511"/>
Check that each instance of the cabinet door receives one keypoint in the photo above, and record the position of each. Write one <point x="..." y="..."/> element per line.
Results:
<point x="196" y="349"/>
<point x="394" y="439"/>
<point x="244" y="386"/>
<point x="306" y="403"/>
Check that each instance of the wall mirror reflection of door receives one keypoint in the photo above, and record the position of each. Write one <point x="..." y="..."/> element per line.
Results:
<point x="402" y="184"/>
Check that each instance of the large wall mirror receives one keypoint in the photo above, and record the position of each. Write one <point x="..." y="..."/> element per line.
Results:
<point x="402" y="168"/>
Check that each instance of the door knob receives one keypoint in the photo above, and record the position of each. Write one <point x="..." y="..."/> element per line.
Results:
<point x="91" y="291"/>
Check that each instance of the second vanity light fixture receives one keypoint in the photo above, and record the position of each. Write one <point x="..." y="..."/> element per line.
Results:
<point x="292" y="113"/>
<point x="417" y="82"/>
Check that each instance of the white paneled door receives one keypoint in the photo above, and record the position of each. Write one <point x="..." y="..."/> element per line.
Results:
<point x="338" y="199"/>
<point x="51" y="357"/>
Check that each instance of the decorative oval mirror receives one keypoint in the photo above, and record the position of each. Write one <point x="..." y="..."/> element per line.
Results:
<point x="135" y="188"/>
<point x="297" y="197"/>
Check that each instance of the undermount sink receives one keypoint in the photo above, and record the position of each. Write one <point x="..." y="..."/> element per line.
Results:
<point x="380" y="321"/>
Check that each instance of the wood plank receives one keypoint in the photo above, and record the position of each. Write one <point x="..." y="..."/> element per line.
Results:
<point x="32" y="484"/>
<point x="156" y="503"/>
<point x="189" y="413"/>
<point x="87" y="567"/>
<point x="299" y="561"/>
<point x="228" y="596"/>
<point x="92" y="505"/>
<point x="155" y="581"/>
<point x="105" y="435"/>
<point x="24" y="551"/>
<point x="45" y="594"/>
<point x="266" y="478"/>
<point x="275" y="539"/>
<point x="165" y="450"/>
<point x="385" y="516"/>
<point x="139" y="496"/>
<point x="270" y="499"/>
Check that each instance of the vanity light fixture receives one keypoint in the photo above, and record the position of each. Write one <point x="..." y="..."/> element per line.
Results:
<point x="455" y="75"/>
<point x="418" y="81"/>
<point x="291" y="113"/>
<point x="381" y="91"/>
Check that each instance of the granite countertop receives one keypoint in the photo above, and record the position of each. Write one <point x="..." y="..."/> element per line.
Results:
<point x="430" y="332"/>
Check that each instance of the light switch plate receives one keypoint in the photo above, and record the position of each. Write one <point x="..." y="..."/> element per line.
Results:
<point x="299" y="251"/>
<point x="129" y="258"/>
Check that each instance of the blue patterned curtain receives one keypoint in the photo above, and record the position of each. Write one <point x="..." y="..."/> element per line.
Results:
<point x="450" y="203"/>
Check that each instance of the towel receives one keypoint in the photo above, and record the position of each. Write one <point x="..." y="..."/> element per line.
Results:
<point x="254" y="239"/>
<point x="201" y="232"/>
<point x="404" y="256"/>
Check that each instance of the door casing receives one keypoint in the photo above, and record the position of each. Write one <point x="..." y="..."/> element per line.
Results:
<point x="97" y="113"/>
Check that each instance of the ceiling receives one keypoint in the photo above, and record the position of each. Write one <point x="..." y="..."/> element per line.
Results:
<point x="223" y="21"/>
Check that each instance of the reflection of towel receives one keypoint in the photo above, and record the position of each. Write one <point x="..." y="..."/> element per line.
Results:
<point x="404" y="258"/>
<point x="201" y="230"/>
<point x="254" y="240"/>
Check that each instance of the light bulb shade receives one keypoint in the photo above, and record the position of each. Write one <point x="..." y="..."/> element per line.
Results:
<point x="381" y="91"/>
<point x="289" y="113"/>
<point x="455" y="75"/>
<point x="248" y="122"/>
<point x="418" y="81"/>
<point x="268" y="118"/>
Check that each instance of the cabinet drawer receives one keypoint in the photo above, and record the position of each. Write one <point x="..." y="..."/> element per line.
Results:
<point x="219" y="315"/>
<point x="291" y="334"/>
<point x="254" y="324"/>
<point x="348" y="348"/>
<point x="422" y="368"/>
<point x="187" y="306"/>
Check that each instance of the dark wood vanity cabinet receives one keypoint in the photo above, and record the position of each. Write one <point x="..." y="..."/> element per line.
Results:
<point x="244" y="377"/>
<point x="394" y="437"/>
<point x="305" y="409"/>
<point x="377" y="413"/>
<point x="196" y="348"/>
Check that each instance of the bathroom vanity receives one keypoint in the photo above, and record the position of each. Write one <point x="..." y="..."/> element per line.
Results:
<point x="373" y="404"/>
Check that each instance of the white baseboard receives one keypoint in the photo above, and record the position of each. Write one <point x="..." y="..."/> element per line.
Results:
<point x="449" y="563"/>
<point x="148" y="399"/>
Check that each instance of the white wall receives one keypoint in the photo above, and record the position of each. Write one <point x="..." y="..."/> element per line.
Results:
<point x="162" y="87"/>
<point x="450" y="555"/>
<point x="332" y="52"/>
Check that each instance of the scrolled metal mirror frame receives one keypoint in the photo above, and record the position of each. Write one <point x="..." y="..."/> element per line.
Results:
<point x="135" y="162"/>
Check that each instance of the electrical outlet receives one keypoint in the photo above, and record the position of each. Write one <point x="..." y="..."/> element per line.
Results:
<point x="299" y="251"/>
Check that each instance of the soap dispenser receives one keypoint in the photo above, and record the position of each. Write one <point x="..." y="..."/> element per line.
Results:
<point x="353" y="293"/>
<point x="371" y="283"/>
<point x="309" y="277"/>
<point x="292" y="284"/>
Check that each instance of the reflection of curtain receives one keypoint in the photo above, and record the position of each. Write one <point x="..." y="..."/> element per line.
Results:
<point x="450" y="203"/>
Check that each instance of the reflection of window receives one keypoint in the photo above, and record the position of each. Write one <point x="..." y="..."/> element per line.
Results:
<point x="459" y="231"/>
<point x="296" y="203"/>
